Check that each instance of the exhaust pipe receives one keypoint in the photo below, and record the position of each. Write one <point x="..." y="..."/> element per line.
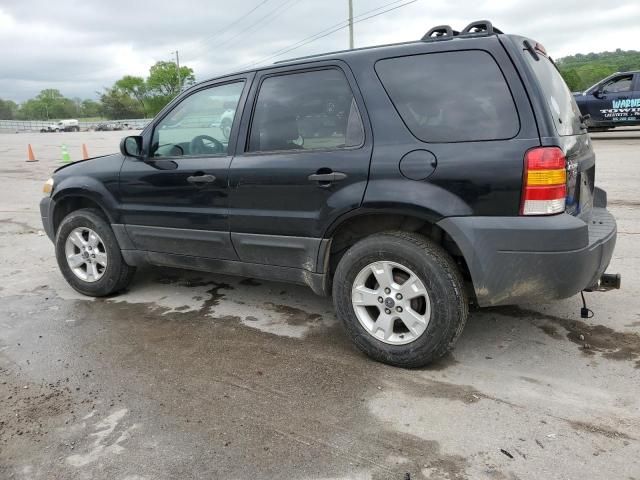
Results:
<point x="608" y="281"/>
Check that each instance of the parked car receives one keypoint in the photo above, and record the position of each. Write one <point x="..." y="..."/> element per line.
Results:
<point x="112" y="126"/>
<point x="70" y="125"/>
<point x="429" y="175"/>
<point x="612" y="102"/>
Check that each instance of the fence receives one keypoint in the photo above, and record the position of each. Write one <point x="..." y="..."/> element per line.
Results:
<point x="37" y="125"/>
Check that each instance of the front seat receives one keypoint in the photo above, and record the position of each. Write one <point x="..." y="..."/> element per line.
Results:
<point x="278" y="131"/>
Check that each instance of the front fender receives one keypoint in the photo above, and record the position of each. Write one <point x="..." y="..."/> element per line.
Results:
<point x="89" y="188"/>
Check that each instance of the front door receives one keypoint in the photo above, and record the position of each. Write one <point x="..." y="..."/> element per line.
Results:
<point x="177" y="200"/>
<point x="304" y="163"/>
<point x="611" y="102"/>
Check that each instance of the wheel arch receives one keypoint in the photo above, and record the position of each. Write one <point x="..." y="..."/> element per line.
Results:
<point x="75" y="199"/>
<point x="361" y="223"/>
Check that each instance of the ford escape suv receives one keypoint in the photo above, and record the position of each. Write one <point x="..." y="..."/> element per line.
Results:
<point x="406" y="180"/>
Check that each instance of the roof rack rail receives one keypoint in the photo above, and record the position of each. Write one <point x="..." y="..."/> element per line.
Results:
<point x="479" y="28"/>
<point x="441" y="32"/>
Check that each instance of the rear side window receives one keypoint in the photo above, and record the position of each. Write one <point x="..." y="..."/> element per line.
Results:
<point x="451" y="96"/>
<point x="305" y="111"/>
<point x="565" y="112"/>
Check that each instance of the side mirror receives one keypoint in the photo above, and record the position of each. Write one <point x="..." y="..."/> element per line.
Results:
<point x="131" y="146"/>
<point x="597" y="92"/>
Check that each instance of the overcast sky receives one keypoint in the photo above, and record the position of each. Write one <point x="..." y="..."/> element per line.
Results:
<point x="80" y="47"/>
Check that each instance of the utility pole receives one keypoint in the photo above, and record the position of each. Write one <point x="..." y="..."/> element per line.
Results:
<point x="178" y="65"/>
<point x="350" y="24"/>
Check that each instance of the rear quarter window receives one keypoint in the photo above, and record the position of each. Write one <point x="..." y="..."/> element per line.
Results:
<point x="562" y="105"/>
<point x="451" y="96"/>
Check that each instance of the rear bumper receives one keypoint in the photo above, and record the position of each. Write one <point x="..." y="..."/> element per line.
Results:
<point x="524" y="259"/>
<point x="47" y="205"/>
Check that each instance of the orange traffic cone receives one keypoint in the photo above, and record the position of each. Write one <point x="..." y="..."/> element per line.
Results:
<point x="32" y="157"/>
<point x="85" y="154"/>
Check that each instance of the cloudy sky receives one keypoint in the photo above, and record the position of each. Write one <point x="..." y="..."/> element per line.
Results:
<point x="80" y="47"/>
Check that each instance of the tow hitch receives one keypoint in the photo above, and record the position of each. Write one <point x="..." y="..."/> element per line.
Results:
<point x="608" y="281"/>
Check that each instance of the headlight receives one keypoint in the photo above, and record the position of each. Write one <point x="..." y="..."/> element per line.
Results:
<point x="48" y="187"/>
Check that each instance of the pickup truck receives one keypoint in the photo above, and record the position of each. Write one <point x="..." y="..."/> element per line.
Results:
<point x="62" y="126"/>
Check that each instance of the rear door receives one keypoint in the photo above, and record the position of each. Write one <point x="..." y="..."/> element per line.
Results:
<point x="303" y="163"/>
<point x="176" y="201"/>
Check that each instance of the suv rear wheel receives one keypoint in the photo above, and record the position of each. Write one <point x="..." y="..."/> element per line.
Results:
<point x="400" y="298"/>
<point x="89" y="256"/>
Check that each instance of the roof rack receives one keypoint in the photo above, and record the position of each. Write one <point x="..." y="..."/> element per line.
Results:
<point x="479" y="28"/>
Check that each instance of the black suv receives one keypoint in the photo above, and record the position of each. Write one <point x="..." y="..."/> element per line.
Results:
<point x="612" y="102"/>
<point x="407" y="180"/>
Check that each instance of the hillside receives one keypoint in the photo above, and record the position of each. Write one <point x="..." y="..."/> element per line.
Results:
<point x="580" y="71"/>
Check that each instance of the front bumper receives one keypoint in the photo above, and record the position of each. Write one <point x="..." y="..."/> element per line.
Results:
<point x="47" y="204"/>
<point x="528" y="259"/>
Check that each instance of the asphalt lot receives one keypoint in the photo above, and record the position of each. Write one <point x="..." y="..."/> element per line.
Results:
<point x="189" y="375"/>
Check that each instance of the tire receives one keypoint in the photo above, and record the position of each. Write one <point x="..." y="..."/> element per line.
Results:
<point x="112" y="277"/>
<point x="438" y="276"/>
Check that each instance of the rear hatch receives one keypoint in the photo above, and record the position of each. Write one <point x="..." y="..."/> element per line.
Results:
<point x="571" y="133"/>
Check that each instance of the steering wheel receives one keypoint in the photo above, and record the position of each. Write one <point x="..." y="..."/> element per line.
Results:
<point x="198" y="145"/>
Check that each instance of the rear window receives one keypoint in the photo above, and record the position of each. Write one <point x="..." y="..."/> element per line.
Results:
<point x="565" y="112"/>
<point x="451" y="96"/>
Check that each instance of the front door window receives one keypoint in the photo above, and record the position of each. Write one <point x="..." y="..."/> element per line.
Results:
<point x="199" y="125"/>
<point x="618" y="85"/>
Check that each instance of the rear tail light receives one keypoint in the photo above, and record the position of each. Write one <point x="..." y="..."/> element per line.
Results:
<point x="544" y="188"/>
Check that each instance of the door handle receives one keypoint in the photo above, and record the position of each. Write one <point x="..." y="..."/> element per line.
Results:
<point x="326" y="179"/>
<point x="199" y="179"/>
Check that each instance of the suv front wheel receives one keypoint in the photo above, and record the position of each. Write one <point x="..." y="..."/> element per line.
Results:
<point x="89" y="256"/>
<point x="401" y="298"/>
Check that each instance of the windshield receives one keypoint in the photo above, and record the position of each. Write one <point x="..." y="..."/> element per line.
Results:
<point x="565" y="112"/>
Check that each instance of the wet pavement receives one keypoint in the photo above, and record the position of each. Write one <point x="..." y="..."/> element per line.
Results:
<point x="192" y="375"/>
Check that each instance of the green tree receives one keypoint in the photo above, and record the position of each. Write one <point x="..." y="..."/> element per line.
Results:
<point x="48" y="104"/>
<point x="572" y="79"/>
<point x="32" y="109"/>
<point x="580" y="71"/>
<point x="8" y="109"/>
<point x="163" y="84"/>
<point x="129" y="97"/>
<point x="151" y="95"/>
<point x="90" y="108"/>
<point x="164" y="80"/>
<point x="135" y="87"/>
<point x="117" y="104"/>
<point x="52" y="101"/>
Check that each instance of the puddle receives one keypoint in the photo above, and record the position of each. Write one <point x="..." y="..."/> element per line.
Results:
<point x="610" y="343"/>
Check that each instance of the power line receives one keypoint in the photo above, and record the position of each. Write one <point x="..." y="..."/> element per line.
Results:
<point x="263" y="20"/>
<point x="328" y="31"/>
<point x="219" y="33"/>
